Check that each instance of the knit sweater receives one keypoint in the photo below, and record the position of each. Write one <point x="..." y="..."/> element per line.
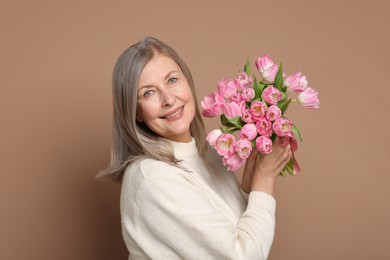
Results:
<point x="197" y="213"/>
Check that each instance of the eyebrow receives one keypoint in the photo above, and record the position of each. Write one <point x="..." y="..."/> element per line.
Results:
<point x="169" y="74"/>
<point x="165" y="78"/>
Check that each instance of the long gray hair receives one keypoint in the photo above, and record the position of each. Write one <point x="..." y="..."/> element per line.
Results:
<point x="132" y="140"/>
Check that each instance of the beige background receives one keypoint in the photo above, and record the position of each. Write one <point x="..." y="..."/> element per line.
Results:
<point x="55" y="111"/>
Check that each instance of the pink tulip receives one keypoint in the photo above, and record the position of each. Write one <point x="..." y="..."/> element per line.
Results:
<point x="248" y="132"/>
<point x="233" y="162"/>
<point x="296" y="82"/>
<point x="233" y="109"/>
<point x="264" y="144"/>
<point x="213" y="136"/>
<point x="258" y="109"/>
<point x="273" y="113"/>
<point x="243" y="81"/>
<point x="225" y="145"/>
<point x="294" y="144"/>
<point x="269" y="74"/>
<point x="248" y="94"/>
<point x="272" y="95"/>
<point x="264" y="127"/>
<point x="283" y="127"/>
<point x="309" y="98"/>
<point x="243" y="148"/>
<point x="263" y="63"/>
<point x="212" y="105"/>
<point x="236" y="98"/>
<point x="226" y="88"/>
<point x="246" y="116"/>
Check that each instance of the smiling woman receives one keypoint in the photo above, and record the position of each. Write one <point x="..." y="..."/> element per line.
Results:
<point x="165" y="102"/>
<point x="132" y="136"/>
<point x="178" y="201"/>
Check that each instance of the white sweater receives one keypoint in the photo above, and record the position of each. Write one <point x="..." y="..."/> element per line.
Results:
<point x="169" y="213"/>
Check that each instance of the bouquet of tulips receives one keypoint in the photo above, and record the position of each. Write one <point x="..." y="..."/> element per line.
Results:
<point x="255" y="111"/>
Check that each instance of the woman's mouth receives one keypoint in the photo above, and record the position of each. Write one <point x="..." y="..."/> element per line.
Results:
<point x="174" y="113"/>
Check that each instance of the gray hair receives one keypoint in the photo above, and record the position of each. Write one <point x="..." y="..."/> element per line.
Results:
<point x="132" y="140"/>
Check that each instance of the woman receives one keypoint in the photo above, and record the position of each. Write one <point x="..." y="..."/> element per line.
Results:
<point x="177" y="199"/>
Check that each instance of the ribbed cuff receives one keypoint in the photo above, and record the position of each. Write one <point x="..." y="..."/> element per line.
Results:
<point x="258" y="199"/>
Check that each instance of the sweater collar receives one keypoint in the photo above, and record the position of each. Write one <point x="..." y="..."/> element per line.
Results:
<point x="182" y="150"/>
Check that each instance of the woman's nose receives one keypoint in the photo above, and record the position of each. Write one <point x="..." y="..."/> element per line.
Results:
<point x="168" y="98"/>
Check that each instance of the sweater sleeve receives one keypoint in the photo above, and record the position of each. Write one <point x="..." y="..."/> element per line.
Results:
<point x="171" y="217"/>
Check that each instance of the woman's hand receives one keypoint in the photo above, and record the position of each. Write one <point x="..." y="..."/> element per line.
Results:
<point x="261" y="171"/>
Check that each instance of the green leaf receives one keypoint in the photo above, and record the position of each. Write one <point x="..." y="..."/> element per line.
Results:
<point x="262" y="86"/>
<point x="285" y="105"/>
<point x="247" y="66"/>
<point x="237" y="122"/>
<point x="255" y="83"/>
<point x="279" y="78"/>
<point x="258" y="91"/>
<point x="281" y="104"/>
<point x="231" y="125"/>
<point x="284" y="96"/>
<point x="224" y="120"/>
<point x="296" y="132"/>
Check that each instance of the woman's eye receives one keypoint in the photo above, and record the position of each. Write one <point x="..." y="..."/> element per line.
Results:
<point x="148" y="93"/>
<point x="172" y="80"/>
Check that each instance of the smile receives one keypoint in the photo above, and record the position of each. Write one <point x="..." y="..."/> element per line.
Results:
<point x="174" y="114"/>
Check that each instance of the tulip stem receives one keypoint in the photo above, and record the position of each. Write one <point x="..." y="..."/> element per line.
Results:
<point x="289" y="168"/>
<point x="294" y="100"/>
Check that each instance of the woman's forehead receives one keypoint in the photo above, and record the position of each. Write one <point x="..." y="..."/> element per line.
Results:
<point x="158" y="68"/>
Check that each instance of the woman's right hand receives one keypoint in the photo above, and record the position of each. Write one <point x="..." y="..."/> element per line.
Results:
<point x="266" y="168"/>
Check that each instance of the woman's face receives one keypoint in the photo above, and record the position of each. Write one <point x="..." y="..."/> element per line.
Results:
<point x="165" y="102"/>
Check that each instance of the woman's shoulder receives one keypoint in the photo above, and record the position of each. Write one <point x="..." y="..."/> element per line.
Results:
<point x="151" y="177"/>
<point x="147" y="169"/>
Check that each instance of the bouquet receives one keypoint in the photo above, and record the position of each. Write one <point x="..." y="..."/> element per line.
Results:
<point x="252" y="112"/>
